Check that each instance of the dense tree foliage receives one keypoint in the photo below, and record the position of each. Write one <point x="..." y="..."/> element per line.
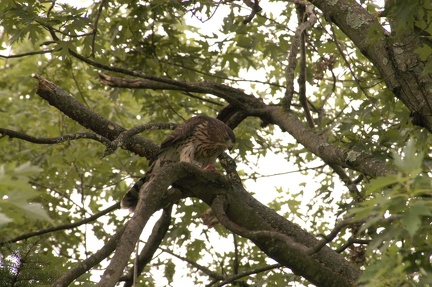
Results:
<point x="329" y="182"/>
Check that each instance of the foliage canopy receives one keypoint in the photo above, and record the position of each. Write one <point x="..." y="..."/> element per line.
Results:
<point x="337" y="92"/>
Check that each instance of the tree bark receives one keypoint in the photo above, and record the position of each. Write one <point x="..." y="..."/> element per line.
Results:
<point x="394" y="57"/>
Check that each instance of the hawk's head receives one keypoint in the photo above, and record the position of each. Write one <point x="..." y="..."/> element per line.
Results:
<point x="229" y="138"/>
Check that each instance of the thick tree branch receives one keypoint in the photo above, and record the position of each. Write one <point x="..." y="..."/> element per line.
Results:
<point x="282" y="240"/>
<point x="86" y="117"/>
<point x="330" y="154"/>
<point x="153" y="196"/>
<point x="152" y="244"/>
<point x="276" y="236"/>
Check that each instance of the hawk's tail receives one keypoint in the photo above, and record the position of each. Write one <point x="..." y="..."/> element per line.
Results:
<point x="130" y="199"/>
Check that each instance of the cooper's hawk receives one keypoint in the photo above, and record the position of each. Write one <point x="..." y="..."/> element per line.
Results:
<point x="199" y="140"/>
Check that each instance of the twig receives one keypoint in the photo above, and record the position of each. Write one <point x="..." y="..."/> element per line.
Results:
<point x="350" y="242"/>
<point x="95" y="26"/>
<point x="247" y="273"/>
<point x="236" y="261"/>
<point x="62" y="227"/>
<point x="193" y="12"/>
<point x="203" y="269"/>
<point x="350" y="184"/>
<point x="289" y="172"/>
<point x="255" y="9"/>
<point x="29" y="54"/>
<point x="328" y="238"/>
<point x="338" y="47"/>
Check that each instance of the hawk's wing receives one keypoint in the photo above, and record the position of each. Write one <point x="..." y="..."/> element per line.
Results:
<point x="182" y="132"/>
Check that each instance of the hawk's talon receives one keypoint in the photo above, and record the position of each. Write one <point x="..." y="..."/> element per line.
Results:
<point x="210" y="167"/>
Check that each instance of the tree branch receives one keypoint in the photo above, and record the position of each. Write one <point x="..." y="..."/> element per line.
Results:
<point x="301" y="14"/>
<point x="247" y="273"/>
<point x="255" y="9"/>
<point x="201" y="268"/>
<point x="29" y="54"/>
<point x="247" y="217"/>
<point x="88" y="263"/>
<point x="124" y="136"/>
<point x="350" y="242"/>
<point x="86" y="117"/>
<point x="152" y="244"/>
<point x="347" y="63"/>
<point x="95" y="26"/>
<point x="400" y="68"/>
<point x="330" y="154"/>
<point x="328" y="238"/>
<point x="55" y="140"/>
<point x="292" y="59"/>
<point x="62" y="227"/>
<point x="152" y="197"/>
<point x="242" y="209"/>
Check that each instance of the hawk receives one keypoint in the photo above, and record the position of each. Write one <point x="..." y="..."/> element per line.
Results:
<point x="199" y="140"/>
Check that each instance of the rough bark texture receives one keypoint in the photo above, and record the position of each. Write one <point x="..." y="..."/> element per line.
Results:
<point x="78" y="112"/>
<point x="394" y="57"/>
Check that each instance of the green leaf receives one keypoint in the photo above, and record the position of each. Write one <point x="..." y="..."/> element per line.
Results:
<point x="27" y="169"/>
<point x="380" y="183"/>
<point x="16" y="193"/>
<point x="411" y="160"/>
<point x="413" y="217"/>
<point x="4" y="219"/>
<point x="169" y="271"/>
<point x="34" y="211"/>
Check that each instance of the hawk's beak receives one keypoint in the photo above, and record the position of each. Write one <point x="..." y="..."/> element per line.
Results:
<point x="230" y="145"/>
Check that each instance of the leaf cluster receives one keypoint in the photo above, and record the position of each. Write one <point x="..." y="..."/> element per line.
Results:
<point x="397" y="216"/>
